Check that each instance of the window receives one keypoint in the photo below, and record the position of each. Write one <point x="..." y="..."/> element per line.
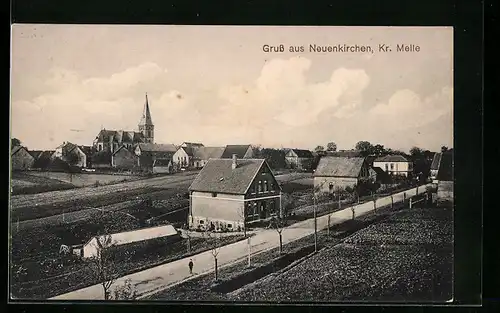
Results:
<point x="386" y="167"/>
<point x="229" y="225"/>
<point x="392" y="166"/>
<point x="214" y="194"/>
<point x="202" y="222"/>
<point x="265" y="186"/>
<point x="260" y="186"/>
<point x="271" y="187"/>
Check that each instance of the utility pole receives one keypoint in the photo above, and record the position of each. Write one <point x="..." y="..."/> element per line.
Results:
<point x="315" y="223"/>
<point x="249" y="251"/>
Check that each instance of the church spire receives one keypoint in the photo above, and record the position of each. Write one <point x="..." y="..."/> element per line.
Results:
<point x="146" y="114"/>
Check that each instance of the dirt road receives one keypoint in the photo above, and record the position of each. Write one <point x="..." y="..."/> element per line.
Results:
<point x="164" y="276"/>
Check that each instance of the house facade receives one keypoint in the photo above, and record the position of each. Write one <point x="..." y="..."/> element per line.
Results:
<point x="124" y="159"/>
<point x="230" y="193"/>
<point x="436" y="161"/>
<point x="335" y="173"/>
<point x="394" y="165"/>
<point x="299" y="159"/>
<point x="21" y="159"/>
<point x="183" y="157"/>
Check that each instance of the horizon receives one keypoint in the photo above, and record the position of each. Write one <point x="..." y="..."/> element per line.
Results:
<point x="215" y="85"/>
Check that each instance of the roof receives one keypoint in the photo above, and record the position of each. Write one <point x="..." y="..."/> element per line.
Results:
<point x="87" y="150"/>
<point x="139" y="235"/>
<point x="35" y="153"/>
<point x="192" y="144"/>
<point x="391" y="158"/>
<point x="146" y="114"/>
<point x="15" y="149"/>
<point x="43" y="159"/>
<point x="445" y="171"/>
<point x="339" y="166"/>
<point x="120" y="136"/>
<point x="381" y="174"/>
<point x="122" y="148"/>
<point x="154" y="147"/>
<point x="436" y="161"/>
<point x="218" y="176"/>
<point x="206" y="153"/>
<point x="162" y="162"/>
<point x="239" y="150"/>
<point x="302" y="153"/>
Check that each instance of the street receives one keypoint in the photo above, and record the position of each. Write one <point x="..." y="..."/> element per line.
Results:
<point x="153" y="280"/>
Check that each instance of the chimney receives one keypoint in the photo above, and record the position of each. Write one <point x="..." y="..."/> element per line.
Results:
<point x="234" y="162"/>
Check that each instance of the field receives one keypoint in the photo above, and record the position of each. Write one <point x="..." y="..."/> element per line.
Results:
<point x="23" y="183"/>
<point x="85" y="179"/>
<point x="407" y="257"/>
<point x="377" y="257"/>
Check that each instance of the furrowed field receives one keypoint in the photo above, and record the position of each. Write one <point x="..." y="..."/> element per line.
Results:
<point x="407" y="257"/>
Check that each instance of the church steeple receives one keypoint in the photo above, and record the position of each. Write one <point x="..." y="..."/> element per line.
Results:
<point x="146" y="126"/>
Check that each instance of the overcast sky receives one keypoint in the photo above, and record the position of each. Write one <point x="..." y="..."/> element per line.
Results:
<point x="216" y="85"/>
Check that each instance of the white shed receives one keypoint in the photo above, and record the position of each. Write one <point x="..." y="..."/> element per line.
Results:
<point x="91" y="248"/>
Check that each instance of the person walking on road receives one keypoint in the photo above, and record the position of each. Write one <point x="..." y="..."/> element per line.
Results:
<point x="191" y="266"/>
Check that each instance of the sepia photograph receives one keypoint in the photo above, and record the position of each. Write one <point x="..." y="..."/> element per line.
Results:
<point x="252" y="164"/>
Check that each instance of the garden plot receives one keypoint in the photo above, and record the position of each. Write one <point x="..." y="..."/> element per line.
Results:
<point x="23" y="183"/>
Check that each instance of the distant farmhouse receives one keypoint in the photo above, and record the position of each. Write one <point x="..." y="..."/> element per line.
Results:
<point x="445" y="178"/>
<point x="436" y="161"/>
<point x="333" y="173"/>
<point x="228" y="193"/>
<point x="299" y="159"/>
<point x="394" y="165"/>
<point x="191" y="155"/>
<point x="21" y="159"/>
<point x="74" y="155"/>
<point x="149" y="154"/>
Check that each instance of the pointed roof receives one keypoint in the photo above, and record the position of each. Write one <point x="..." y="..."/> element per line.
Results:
<point x="339" y="166"/>
<point x="146" y="114"/>
<point x="391" y="158"/>
<point x="219" y="176"/>
<point x="239" y="150"/>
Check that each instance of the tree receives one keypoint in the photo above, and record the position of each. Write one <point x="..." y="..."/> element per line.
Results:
<point x="278" y="222"/>
<point x="378" y="150"/>
<point x="215" y="248"/>
<point x="125" y="292"/>
<point x="444" y="149"/>
<point x="331" y="147"/>
<point x="364" y="147"/>
<point x="102" y="264"/>
<point x="14" y="142"/>
<point x="319" y="149"/>
<point x="416" y="151"/>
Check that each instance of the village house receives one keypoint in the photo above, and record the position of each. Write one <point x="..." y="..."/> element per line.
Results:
<point x="148" y="153"/>
<point x="394" y="165"/>
<point x="21" y="159"/>
<point x="196" y="156"/>
<point x="241" y="151"/>
<point x="335" y="173"/>
<point x="299" y="159"/>
<point x="79" y="156"/>
<point x="436" y="161"/>
<point x="92" y="247"/>
<point x="43" y="159"/>
<point x="229" y="193"/>
<point x="124" y="159"/>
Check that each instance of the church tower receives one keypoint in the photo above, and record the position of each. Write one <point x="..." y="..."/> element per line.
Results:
<point x="146" y="126"/>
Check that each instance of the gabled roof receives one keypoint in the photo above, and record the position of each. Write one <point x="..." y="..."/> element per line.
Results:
<point x="15" y="149"/>
<point x="192" y="144"/>
<point x="138" y="235"/>
<point x="218" y="176"/>
<point x="339" y="166"/>
<point x="346" y="153"/>
<point x="120" y="136"/>
<point x="122" y="148"/>
<point x="445" y="172"/>
<point x="35" y="153"/>
<point x="154" y="147"/>
<point x="436" y="161"/>
<point x="188" y="150"/>
<point x="239" y="150"/>
<point x="302" y="153"/>
<point x="206" y="153"/>
<point x="391" y="158"/>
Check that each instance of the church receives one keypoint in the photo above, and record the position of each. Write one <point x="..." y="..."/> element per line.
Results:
<point x="111" y="140"/>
